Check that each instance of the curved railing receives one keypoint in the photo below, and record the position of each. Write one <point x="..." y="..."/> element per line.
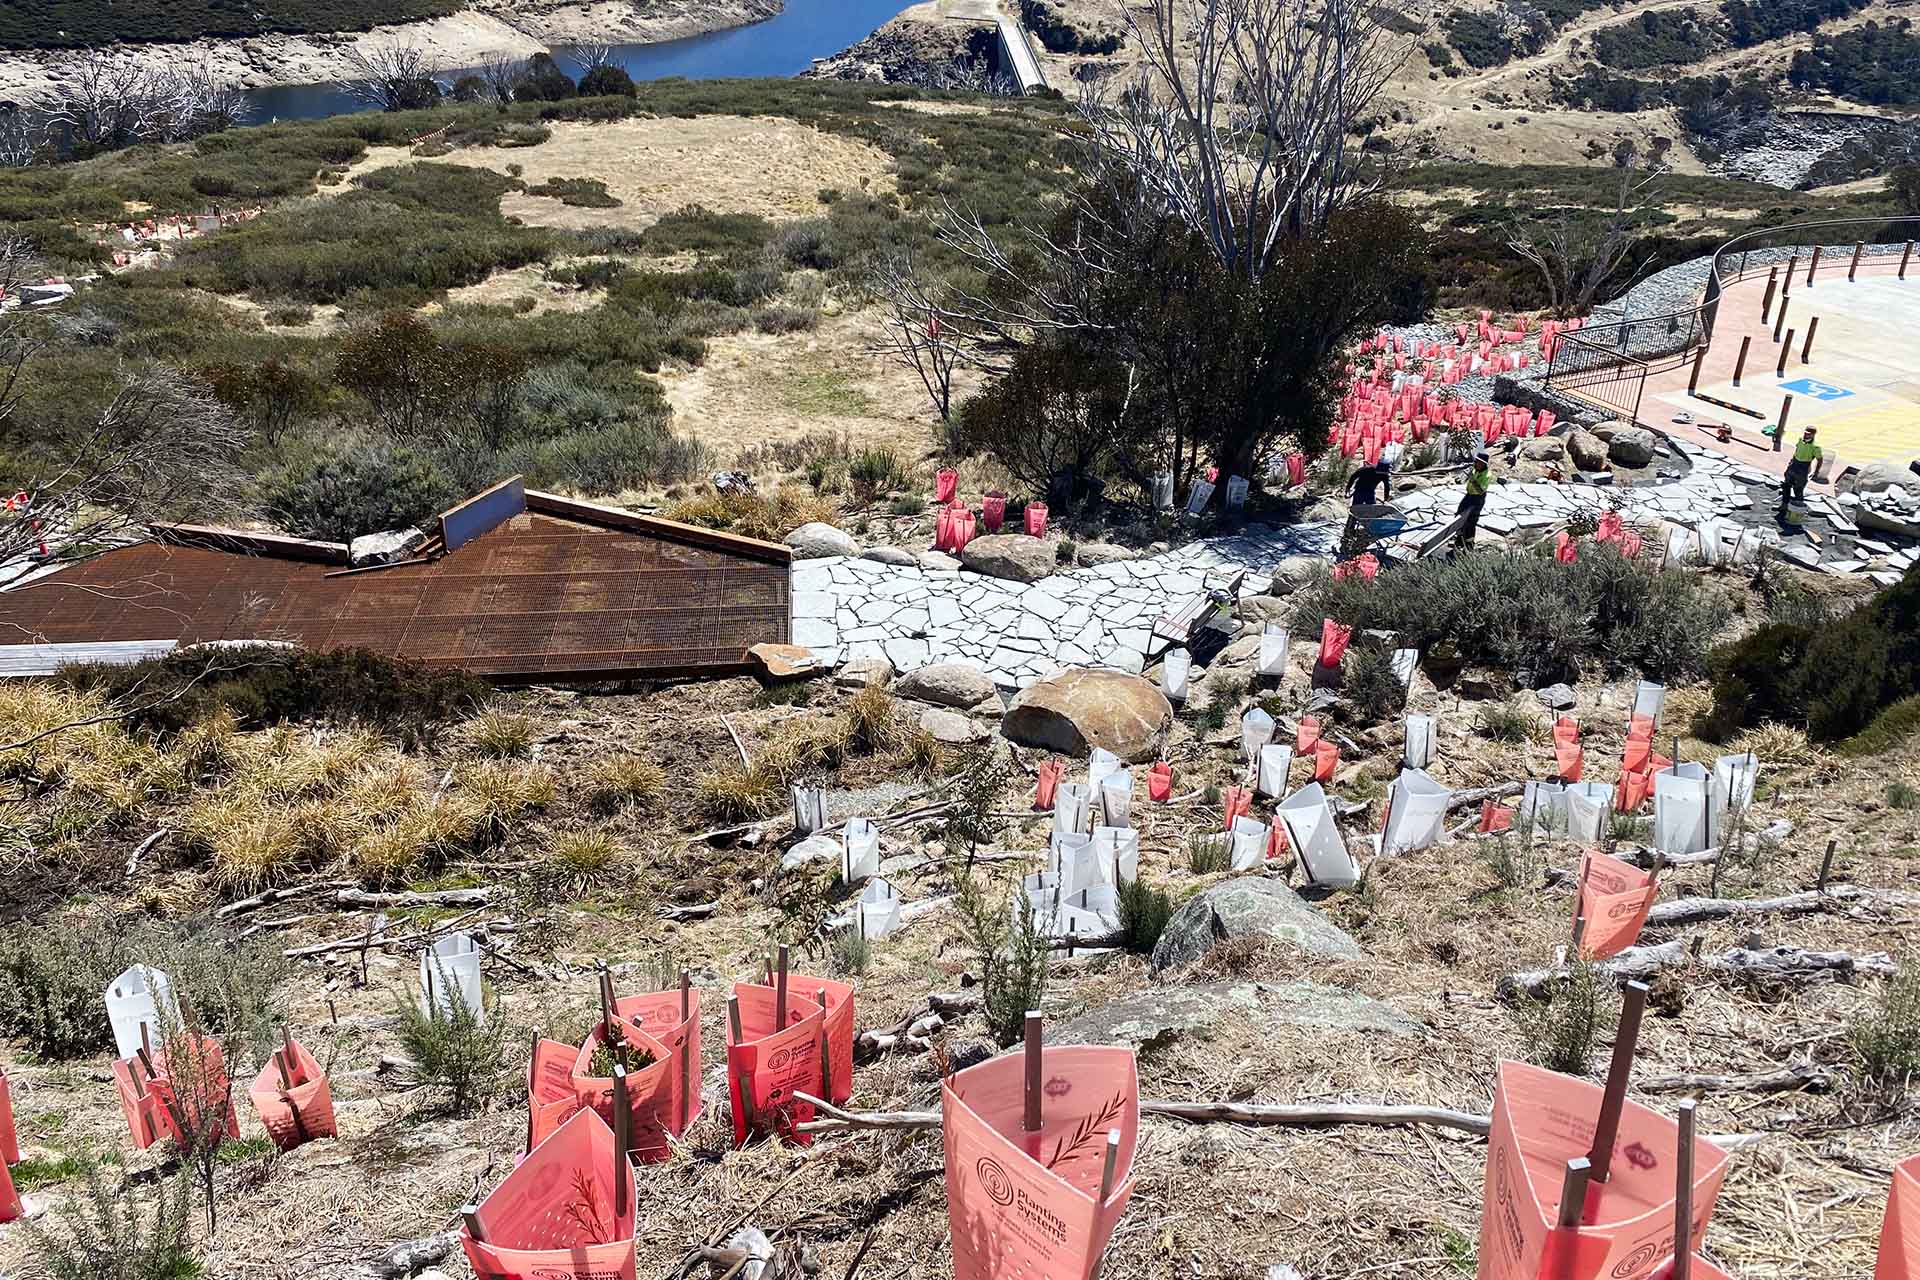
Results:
<point x="1668" y="333"/>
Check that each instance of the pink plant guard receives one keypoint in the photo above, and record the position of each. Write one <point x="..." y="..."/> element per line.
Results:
<point x="1160" y="782"/>
<point x="1540" y="1121"/>
<point x="946" y="483"/>
<point x="9" y="1140"/>
<point x="1333" y="642"/>
<point x="993" y="511"/>
<point x="1036" y="519"/>
<point x="650" y="1089"/>
<point x="1026" y="1206"/>
<point x="1326" y="758"/>
<point x="1307" y="734"/>
<point x="1899" y="1257"/>
<point x="1237" y="802"/>
<point x="146" y="1113"/>
<point x="1494" y="817"/>
<point x="1048" y="785"/>
<point x="1614" y="898"/>
<point x="299" y="1113"/>
<point x="774" y="1064"/>
<point x="554" y="1218"/>
<point x="658" y="1014"/>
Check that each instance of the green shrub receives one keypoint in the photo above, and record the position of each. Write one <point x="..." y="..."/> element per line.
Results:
<point x="1561" y="1029"/>
<point x="696" y="229"/>
<point x="1889" y="729"/>
<point x="1144" y="912"/>
<point x="455" y="1051"/>
<point x="544" y="81"/>
<point x="1369" y="684"/>
<point x="579" y="193"/>
<point x="105" y="1233"/>
<point x="1656" y="38"/>
<point x="1871" y="63"/>
<point x="264" y="685"/>
<point x="1011" y="954"/>
<point x="356" y="483"/>
<point x="1902" y="795"/>
<point x="1209" y="853"/>
<point x="1511" y="858"/>
<point x="1886" y="1042"/>
<point x="849" y="952"/>
<point x="1504" y="722"/>
<point x="907" y="504"/>
<point x="875" y="471"/>
<point x="607" y="81"/>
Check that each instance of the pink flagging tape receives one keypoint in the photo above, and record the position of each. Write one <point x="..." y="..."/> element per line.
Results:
<point x="1028" y="1204"/>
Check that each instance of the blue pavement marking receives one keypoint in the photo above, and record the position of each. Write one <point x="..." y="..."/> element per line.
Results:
<point x="1815" y="389"/>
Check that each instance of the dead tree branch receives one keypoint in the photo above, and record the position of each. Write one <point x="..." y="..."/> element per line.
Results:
<point x="1771" y="964"/>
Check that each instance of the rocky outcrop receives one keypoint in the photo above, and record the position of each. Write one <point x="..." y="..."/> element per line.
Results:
<point x="1633" y="447"/>
<point x="390" y="547"/>
<point x="1013" y="556"/>
<point x="1076" y="711"/>
<point x="1160" y="1015"/>
<point x="1588" y="451"/>
<point x="1250" y="907"/>
<point x="909" y="51"/>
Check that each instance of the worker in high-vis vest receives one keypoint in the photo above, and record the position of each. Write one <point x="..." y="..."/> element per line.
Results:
<point x="1479" y="480"/>
<point x="1794" y="485"/>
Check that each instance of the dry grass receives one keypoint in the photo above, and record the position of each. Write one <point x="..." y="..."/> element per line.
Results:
<point x="874" y="722"/>
<point x="503" y="792"/>
<point x="626" y="782"/>
<point x="1780" y="746"/>
<point x="769" y="517"/>
<point x="500" y="734"/>
<point x="730" y="793"/>
<point x="587" y="860"/>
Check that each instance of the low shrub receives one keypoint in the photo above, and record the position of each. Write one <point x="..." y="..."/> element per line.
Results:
<point x="1144" y="912"/>
<point x="1505" y="722"/>
<point x="696" y="229"/>
<point x="1889" y="729"/>
<point x="353" y="483"/>
<point x="1562" y="1029"/>
<point x="1009" y="952"/>
<point x="875" y="471"/>
<point x="107" y="1231"/>
<point x="1886" y="1041"/>
<point x="578" y="193"/>
<point x="1369" y="685"/>
<point x="1209" y="853"/>
<point x="456" y="1051"/>
<point x="732" y="794"/>
<point x="849" y="952"/>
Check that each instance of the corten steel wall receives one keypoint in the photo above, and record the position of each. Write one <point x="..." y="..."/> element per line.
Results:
<point x="538" y="597"/>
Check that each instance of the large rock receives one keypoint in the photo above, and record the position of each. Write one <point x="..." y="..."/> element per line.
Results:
<point x="1089" y="554"/>
<point x="1258" y="611"/>
<point x="950" y="728"/>
<point x="1633" y="447"/>
<point x="389" y="547"/>
<point x="1250" y="907"/>
<point x="1011" y="555"/>
<point x="1075" y="711"/>
<point x="948" y="684"/>
<point x="817" y="540"/>
<point x="1545" y="449"/>
<point x="1294" y="572"/>
<point x="1159" y="1015"/>
<point x="810" y="852"/>
<point x="1588" y="451"/>
<point x="899" y="557"/>
<point x="1874" y="477"/>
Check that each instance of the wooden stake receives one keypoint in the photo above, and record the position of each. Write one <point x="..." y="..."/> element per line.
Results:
<point x="742" y="1083"/>
<point x="1826" y="865"/>
<point x="1780" y="321"/>
<point x="1573" y="1193"/>
<point x="1806" y="351"/>
<point x="532" y="1056"/>
<point x="1786" y="283"/>
<point x="1780" y="428"/>
<point x="686" y="1050"/>
<point x="1607" y="1127"/>
<point x="290" y="1064"/>
<point x="1579" y="934"/>
<point x="1106" y="1189"/>
<point x="470" y="1214"/>
<point x="1740" y="365"/>
<point x="1683" y="1195"/>
<point x="1786" y="349"/>
<point x="780" y="991"/>
<point x="1031" y="1118"/>
<point x="1853" y="269"/>
<point x="826" y="1066"/>
<point x="622" y="1139"/>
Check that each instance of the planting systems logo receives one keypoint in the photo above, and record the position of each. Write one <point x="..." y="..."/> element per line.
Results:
<point x="780" y="1059"/>
<point x="1637" y="1262"/>
<point x="1640" y="1157"/>
<point x="994" y="1178"/>
<point x="1058" y="1088"/>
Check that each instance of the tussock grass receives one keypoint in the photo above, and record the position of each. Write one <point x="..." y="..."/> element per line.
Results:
<point x="770" y="517"/>
<point x="733" y="794"/>
<point x="873" y="721"/>
<point x="626" y="782"/>
<point x="804" y="746"/>
<point x="502" y="791"/>
<point x="500" y="734"/>
<point x="586" y="860"/>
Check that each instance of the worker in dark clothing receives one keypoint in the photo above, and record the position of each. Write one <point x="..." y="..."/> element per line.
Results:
<point x="1794" y="485"/>
<point x="1479" y="480"/>
<point x="1369" y="480"/>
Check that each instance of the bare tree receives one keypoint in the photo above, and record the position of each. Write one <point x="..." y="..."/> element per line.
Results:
<point x="23" y="136"/>
<point x="590" y="56"/>
<point x="1240" y="124"/>
<point x="1577" y="253"/>
<point x="111" y="101"/>
<point x="394" y="77"/>
<point x="162" y="446"/>
<point x="912" y="332"/>
<point x="197" y="102"/>
<point x="502" y="73"/>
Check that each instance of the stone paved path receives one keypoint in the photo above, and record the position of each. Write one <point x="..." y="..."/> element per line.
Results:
<point x="846" y="608"/>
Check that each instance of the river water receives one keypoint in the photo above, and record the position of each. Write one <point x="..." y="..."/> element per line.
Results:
<point x="784" y="45"/>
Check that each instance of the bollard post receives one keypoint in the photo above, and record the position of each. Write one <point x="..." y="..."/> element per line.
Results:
<point x="1766" y="303"/>
<point x="1780" y="430"/>
<point x="1793" y="265"/>
<point x="1905" y="258"/>
<point x="1740" y="365"/>
<point x="1813" y="266"/>
<point x="1786" y="349"/>
<point x="1699" y="358"/>
<point x="1806" y="352"/>
<point x="1780" y="321"/>
<point x="1853" y="269"/>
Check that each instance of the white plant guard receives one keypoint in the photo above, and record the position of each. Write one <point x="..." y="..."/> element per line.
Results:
<point x="1070" y="804"/>
<point x="1100" y="763"/>
<point x="860" y="851"/>
<point x="1273" y="651"/>
<point x="1746" y="547"/>
<point x="1116" y="798"/>
<point x="879" y="909"/>
<point x="1119" y="852"/>
<point x="1236" y="492"/>
<point x="1405" y="663"/>
<point x="1199" y="496"/>
<point x="1733" y="778"/>
<point x="1421" y="740"/>
<point x="1679" y="547"/>
<point x="1589" y="811"/>
<point x="1249" y="844"/>
<point x="1312" y="833"/>
<point x="1163" y="491"/>
<point x="1710" y="541"/>
<point x="1072" y="860"/>
<point x="1256" y="731"/>
<point x="1648" y="700"/>
<point x="1681" y="799"/>
<point x="1276" y="761"/>
<point x="1544" y="806"/>
<point x="450" y="971"/>
<point x="1418" y="818"/>
<point x="134" y="999"/>
<point x="809" y="809"/>
<point x="1175" y="670"/>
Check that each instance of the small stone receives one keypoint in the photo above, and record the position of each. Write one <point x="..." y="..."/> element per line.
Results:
<point x="937" y="562"/>
<point x="813" y="849"/>
<point x="1294" y="572"/>
<point x="1089" y="554"/>
<point x="1258" y="611"/>
<point x="864" y="673"/>
<point x="389" y="547"/>
<point x="818" y="540"/>
<point x="950" y="727"/>
<point x="947" y="684"/>
<point x="1558" y="697"/>
<point x="899" y="557"/>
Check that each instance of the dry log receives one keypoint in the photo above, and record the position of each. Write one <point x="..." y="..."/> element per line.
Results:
<point x="144" y="847"/>
<point x="1811" y="902"/>
<point x="361" y="900"/>
<point x="1780" y="964"/>
<point x="1791" y="1079"/>
<point x="698" y="911"/>
<point x="273" y="897"/>
<point x="410" y="1256"/>
<point x="1305" y="1117"/>
<point x="941" y="1005"/>
<point x="372" y="938"/>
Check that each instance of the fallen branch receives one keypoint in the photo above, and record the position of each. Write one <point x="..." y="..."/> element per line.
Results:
<point x="698" y="911"/>
<point x="1811" y="902"/>
<point x="1305" y="1117"/>
<point x="144" y="847"/>
<point x="273" y="897"/>
<point x="914" y="1031"/>
<point x="1780" y="964"/>
<point x="372" y="939"/>
<point x="1791" y="1079"/>
<point x="361" y="900"/>
<point x="410" y="1256"/>
<point x="1479" y="795"/>
<point x="746" y="761"/>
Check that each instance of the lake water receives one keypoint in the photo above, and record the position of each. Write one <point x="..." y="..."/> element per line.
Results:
<point x="780" y="46"/>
